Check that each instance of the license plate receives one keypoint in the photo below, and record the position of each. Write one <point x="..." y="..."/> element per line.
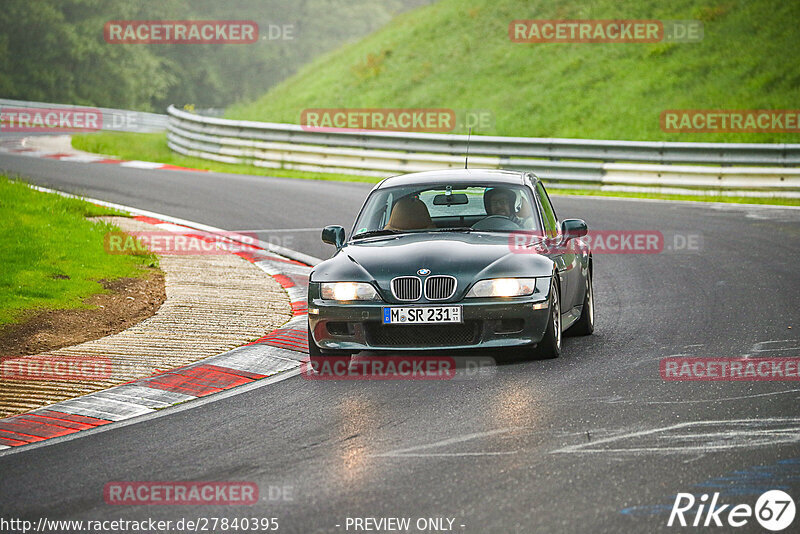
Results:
<point x="423" y="315"/>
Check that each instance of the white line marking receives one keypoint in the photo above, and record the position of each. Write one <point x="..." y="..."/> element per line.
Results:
<point x="794" y="437"/>
<point x="82" y="158"/>
<point x="274" y="230"/>
<point x="776" y="341"/>
<point x="136" y="164"/>
<point x="434" y="454"/>
<point x="758" y="347"/>
<point x="82" y="410"/>
<point x="98" y="402"/>
<point x="731" y="433"/>
<point x="451" y="441"/>
<point x="719" y="400"/>
<point x="34" y="153"/>
<point x="100" y="408"/>
<point x="148" y="394"/>
<point x="683" y="449"/>
<point x="136" y="397"/>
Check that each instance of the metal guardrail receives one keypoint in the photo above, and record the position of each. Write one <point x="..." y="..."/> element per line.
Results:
<point x="705" y="166"/>
<point x="118" y="120"/>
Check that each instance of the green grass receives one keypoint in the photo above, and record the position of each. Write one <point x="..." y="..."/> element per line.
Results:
<point x="457" y="56"/>
<point x="153" y="147"/>
<point x="52" y="256"/>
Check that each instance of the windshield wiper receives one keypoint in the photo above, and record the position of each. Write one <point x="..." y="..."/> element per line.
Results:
<point x="372" y="233"/>
<point x="456" y="229"/>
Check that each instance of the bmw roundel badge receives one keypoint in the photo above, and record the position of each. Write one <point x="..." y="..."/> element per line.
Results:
<point x="424" y="272"/>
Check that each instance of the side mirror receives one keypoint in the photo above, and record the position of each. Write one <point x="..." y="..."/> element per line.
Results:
<point x="333" y="235"/>
<point x="573" y="228"/>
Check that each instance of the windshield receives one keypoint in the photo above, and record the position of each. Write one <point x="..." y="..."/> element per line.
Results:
<point x="448" y="207"/>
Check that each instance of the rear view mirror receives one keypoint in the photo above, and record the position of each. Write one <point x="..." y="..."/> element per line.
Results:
<point x="333" y="235"/>
<point x="450" y="200"/>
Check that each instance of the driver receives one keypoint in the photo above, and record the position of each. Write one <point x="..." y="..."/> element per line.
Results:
<point x="502" y="201"/>
<point x="499" y="201"/>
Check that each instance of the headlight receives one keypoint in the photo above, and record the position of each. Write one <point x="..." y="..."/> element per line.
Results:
<point x="347" y="291"/>
<point x="503" y="287"/>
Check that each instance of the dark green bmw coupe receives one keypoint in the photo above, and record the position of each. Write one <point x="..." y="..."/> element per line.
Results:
<point x="453" y="259"/>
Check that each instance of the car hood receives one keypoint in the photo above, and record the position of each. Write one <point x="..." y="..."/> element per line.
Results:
<point x="467" y="257"/>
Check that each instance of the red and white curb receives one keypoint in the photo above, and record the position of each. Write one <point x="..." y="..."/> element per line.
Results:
<point x="16" y="146"/>
<point x="279" y="351"/>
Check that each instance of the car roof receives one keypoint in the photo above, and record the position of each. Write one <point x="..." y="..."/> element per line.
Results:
<point x="463" y="176"/>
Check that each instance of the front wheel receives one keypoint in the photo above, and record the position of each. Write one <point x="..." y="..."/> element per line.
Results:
<point x="550" y="345"/>
<point x="584" y="326"/>
<point x="317" y="355"/>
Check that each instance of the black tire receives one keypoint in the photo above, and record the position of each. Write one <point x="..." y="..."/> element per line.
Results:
<point x="313" y="349"/>
<point x="317" y="355"/>
<point x="584" y="326"/>
<point x="550" y="345"/>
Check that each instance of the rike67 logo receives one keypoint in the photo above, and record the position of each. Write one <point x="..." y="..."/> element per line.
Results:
<point x="774" y="510"/>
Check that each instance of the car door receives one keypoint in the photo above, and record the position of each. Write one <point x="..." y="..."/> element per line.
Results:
<point x="567" y="262"/>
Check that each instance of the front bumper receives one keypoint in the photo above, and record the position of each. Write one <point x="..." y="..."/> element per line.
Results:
<point x="488" y="323"/>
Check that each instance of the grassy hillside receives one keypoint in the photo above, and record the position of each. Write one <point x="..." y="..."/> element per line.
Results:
<point x="458" y="55"/>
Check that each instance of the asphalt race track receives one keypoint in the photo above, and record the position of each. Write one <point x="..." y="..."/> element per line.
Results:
<point x="594" y="441"/>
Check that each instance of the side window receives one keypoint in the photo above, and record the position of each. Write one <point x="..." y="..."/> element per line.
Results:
<point x="548" y="214"/>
